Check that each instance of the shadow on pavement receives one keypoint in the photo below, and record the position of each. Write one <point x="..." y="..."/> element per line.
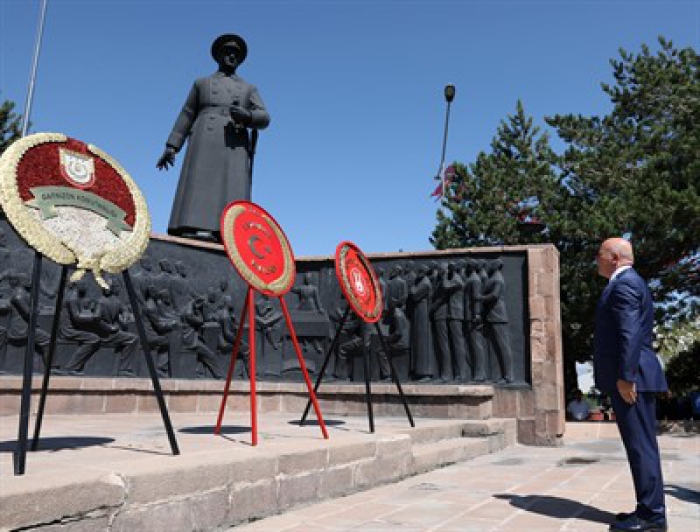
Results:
<point x="209" y="429"/>
<point x="58" y="443"/>
<point x="682" y="493"/>
<point x="314" y="422"/>
<point x="557" y="507"/>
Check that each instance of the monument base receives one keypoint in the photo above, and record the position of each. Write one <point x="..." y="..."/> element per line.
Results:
<point x="90" y="395"/>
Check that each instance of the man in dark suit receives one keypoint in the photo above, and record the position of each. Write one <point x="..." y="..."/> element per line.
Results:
<point x="627" y="369"/>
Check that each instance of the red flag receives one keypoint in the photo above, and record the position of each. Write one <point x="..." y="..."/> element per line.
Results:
<point x="446" y="179"/>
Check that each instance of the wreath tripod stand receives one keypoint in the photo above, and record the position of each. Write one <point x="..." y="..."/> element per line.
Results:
<point x="248" y="313"/>
<point x="20" y="453"/>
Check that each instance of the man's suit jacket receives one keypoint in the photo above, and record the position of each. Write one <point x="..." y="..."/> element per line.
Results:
<point x="624" y="336"/>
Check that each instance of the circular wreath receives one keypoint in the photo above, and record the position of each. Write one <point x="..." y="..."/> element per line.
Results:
<point x="345" y="253"/>
<point x="243" y="261"/>
<point x="33" y="160"/>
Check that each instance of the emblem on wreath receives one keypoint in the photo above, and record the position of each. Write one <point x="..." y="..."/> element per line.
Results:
<point x="258" y="248"/>
<point x="358" y="281"/>
<point x="79" y="169"/>
<point x="73" y="203"/>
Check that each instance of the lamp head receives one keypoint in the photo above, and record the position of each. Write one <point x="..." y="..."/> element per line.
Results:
<point x="449" y="93"/>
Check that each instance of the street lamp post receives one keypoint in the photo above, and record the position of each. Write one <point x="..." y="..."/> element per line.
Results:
<point x="449" y="96"/>
<point x="32" y="73"/>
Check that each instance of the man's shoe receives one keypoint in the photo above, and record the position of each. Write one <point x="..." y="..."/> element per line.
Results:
<point x="622" y="516"/>
<point x="635" y="523"/>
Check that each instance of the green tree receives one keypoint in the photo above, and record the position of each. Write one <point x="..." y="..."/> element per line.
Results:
<point x="634" y="171"/>
<point x="9" y="125"/>
<point x="503" y="194"/>
<point x="682" y="371"/>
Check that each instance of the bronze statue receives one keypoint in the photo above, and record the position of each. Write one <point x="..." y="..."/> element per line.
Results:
<point x="309" y="312"/>
<point x="267" y="321"/>
<point x="438" y="311"/>
<point x="217" y="168"/>
<point x="80" y="323"/>
<point x="397" y="288"/>
<point x="398" y="342"/>
<point x="143" y="278"/>
<point x="454" y="285"/>
<point x="309" y="299"/>
<point x="163" y="330"/>
<point x="383" y="287"/>
<point x="18" y="327"/>
<point x="228" y="326"/>
<point x="110" y="311"/>
<point x="164" y="279"/>
<point x="496" y="318"/>
<point x="474" y="326"/>
<point x="181" y="288"/>
<point x="192" y="322"/>
<point x="420" y="294"/>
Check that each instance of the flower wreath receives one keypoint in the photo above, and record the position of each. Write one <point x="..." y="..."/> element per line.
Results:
<point x="74" y="203"/>
<point x="348" y="255"/>
<point x="271" y="283"/>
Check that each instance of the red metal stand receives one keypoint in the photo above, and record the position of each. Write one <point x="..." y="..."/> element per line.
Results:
<point x="248" y="313"/>
<point x="302" y="365"/>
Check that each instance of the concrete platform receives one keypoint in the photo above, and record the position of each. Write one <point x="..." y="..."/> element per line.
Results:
<point x="115" y="471"/>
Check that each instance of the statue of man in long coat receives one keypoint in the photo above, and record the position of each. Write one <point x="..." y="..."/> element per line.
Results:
<point x="216" y="117"/>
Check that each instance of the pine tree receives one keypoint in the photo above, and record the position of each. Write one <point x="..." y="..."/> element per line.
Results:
<point x="9" y="125"/>
<point x="634" y="171"/>
<point x="508" y="196"/>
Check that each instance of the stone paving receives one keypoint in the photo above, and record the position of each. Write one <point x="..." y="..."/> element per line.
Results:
<point x="577" y="487"/>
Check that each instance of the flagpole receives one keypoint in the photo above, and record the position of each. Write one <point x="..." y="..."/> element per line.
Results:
<point x="449" y="96"/>
<point x="35" y="63"/>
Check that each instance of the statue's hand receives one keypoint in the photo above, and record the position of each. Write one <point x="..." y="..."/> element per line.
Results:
<point x="167" y="159"/>
<point x="240" y="115"/>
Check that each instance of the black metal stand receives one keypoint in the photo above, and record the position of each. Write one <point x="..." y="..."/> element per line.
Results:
<point x="20" y="453"/>
<point x="149" y="362"/>
<point x="48" y="363"/>
<point x="394" y="375"/>
<point x="367" y="363"/>
<point x="332" y="349"/>
<point x="368" y="387"/>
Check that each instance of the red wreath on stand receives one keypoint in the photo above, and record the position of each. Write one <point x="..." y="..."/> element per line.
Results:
<point x="260" y="252"/>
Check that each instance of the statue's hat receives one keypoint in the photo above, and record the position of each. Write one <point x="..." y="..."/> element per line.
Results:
<point x="227" y="38"/>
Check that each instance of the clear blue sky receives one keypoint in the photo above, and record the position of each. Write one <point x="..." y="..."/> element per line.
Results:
<point x="354" y="89"/>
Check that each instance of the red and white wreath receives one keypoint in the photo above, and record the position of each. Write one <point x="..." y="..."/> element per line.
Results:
<point x="73" y="203"/>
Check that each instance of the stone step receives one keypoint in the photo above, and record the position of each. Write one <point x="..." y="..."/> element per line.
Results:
<point x="128" y="484"/>
<point x="429" y="456"/>
<point x="460" y="428"/>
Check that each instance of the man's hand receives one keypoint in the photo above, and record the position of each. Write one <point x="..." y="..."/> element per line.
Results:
<point x="628" y="391"/>
<point x="240" y="115"/>
<point x="167" y="159"/>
